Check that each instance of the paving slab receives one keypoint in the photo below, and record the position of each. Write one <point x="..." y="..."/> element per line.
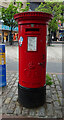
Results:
<point x="51" y="109"/>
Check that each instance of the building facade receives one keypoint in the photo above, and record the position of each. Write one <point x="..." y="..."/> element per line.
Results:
<point x="5" y="30"/>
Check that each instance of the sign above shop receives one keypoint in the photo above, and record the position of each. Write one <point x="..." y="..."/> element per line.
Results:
<point x="4" y="27"/>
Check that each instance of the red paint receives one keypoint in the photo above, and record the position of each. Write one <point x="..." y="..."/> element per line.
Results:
<point x="32" y="64"/>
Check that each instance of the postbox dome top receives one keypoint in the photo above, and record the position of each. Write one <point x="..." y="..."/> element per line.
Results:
<point x="32" y="17"/>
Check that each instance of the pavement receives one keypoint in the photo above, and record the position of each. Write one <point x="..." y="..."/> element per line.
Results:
<point x="54" y="106"/>
<point x="51" y="109"/>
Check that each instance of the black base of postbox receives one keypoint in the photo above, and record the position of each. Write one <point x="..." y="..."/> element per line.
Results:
<point x="31" y="97"/>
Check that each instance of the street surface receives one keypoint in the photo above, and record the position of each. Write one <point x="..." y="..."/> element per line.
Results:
<point x="54" y="58"/>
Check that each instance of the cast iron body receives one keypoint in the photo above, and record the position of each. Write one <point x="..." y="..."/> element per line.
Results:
<point x="32" y="57"/>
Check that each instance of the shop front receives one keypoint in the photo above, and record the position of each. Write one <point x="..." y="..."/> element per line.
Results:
<point x="5" y="33"/>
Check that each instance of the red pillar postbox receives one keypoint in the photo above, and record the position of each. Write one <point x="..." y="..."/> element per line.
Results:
<point x="32" y="57"/>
